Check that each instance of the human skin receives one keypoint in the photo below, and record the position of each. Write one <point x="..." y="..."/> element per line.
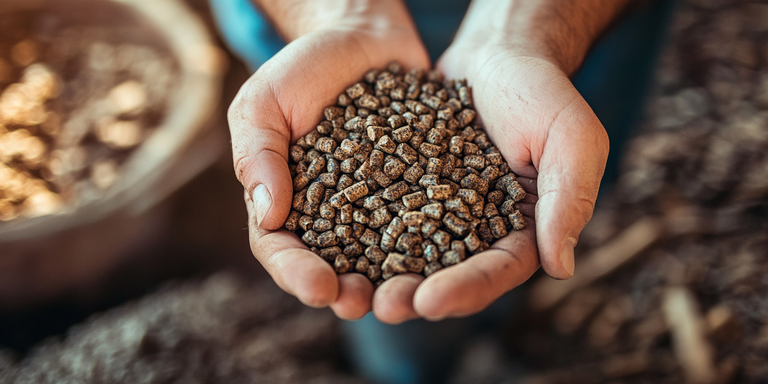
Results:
<point x="517" y="57"/>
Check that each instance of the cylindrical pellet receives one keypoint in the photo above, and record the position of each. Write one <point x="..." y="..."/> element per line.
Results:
<point x="496" y="224"/>
<point x="439" y="192"/>
<point x="356" y="191"/>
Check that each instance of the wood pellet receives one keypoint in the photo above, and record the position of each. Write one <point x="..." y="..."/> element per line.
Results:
<point x="397" y="178"/>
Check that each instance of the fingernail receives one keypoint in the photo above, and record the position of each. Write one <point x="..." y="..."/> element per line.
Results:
<point x="262" y="200"/>
<point x="566" y="255"/>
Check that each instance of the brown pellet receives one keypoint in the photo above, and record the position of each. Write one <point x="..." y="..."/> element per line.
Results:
<point x="490" y="210"/>
<point x="362" y="265"/>
<point x="345" y="214"/>
<point x="381" y="179"/>
<point x="322" y="225"/>
<point x="394" y="263"/>
<point x="327" y="239"/>
<point x="484" y="231"/>
<point x="427" y="181"/>
<point x="472" y="241"/>
<point x="516" y="220"/>
<point x="360" y="217"/>
<point x="310" y="238"/>
<point x="415" y="264"/>
<point x="364" y="171"/>
<point x="395" y="191"/>
<point x="375" y="254"/>
<point x="468" y="196"/>
<point x="516" y="191"/>
<point x="349" y="165"/>
<point x="344" y="232"/>
<point x="433" y="211"/>
<point x="407" y="241"/>
<point x="374" y="272"/>
<point x="429" y="150"/>
<point x="328" y="179"/>
<point x="370" y="238"/>
<point x="376" y="159"/>
<point x="455" y="205"/>
<point x="330" y="254"/>
<point x="338" y="200"/>
<point x="300" y="181"/>
<point x="439" y="192"/>
<point x="431" y="253"/>
<point x="394" y="168"/>
<point x="507" y="208"/>
<point x="353" y="192"/>
<point x="385" y="144"/>
<point x="403" y="134"/>
<point x="408" y="154"/>
<point x="429" y="226"/>
<point x="472" y="181"/>
<point x="495" y="158"/>
<point x="434" y="166"/>
<point x="415" y="200"/>
<point x="387" y="243"/>
<point x="459" y="246"/>
<point x="498" y="229"/>
<point x="442" y="240"/>
<point x="414" y="218"/>
<point x="379" y="218"/>
<point x="354" y="249"/>
<point x="451" y="258"/>
<point x="292" y="222"/>
<point x="413" y="174"/>
<point x="325" y="145"/>
<point x="504" y="182"/>
<point x="341" y="264"/>
<point x="495" y="197"/>
<point x="455" y="224"/>
<point x="474" y="161"/>
<point x="373" y="202"/>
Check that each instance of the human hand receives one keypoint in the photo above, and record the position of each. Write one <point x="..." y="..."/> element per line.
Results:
<point x="332" y="46"/>
<point x="546" y="132"/>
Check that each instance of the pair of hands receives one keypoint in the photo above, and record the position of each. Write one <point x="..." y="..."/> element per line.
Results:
<point x="540" y="123"/>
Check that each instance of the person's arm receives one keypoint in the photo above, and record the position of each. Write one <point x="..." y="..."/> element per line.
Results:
<point x="332" y="44"/>
<point x="517" y="56"/>
<point x="561" y="31"/>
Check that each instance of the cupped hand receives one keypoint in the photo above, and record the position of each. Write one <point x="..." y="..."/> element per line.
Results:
<point x="549" y="136"/>
<point x="283" y="101"/>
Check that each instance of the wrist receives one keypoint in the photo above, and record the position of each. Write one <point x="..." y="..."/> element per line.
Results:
<point x="560" y="32"/>
<point x="296" y="18"/>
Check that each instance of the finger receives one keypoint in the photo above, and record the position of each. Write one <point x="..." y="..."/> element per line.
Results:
<point x="571" y="166"/>
<point x="393" y="300"/>
<point x="260" y="150"/>
<point x="292" y="266"/>
<point x="355" y="294"/>
<point x="472" y="285"/>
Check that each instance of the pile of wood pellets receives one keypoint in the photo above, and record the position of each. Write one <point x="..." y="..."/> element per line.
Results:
<point x="397" y="179"/>
<point x="73" y="105"/>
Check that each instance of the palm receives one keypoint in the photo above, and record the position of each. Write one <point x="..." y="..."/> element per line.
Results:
<point x="551" y="138"/>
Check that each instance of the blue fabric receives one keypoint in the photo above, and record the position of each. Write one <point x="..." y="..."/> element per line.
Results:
<point x="246" y="31"/>
<point x="612" y="79"/>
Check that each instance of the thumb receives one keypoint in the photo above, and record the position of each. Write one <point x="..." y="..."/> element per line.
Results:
<point x="570" y="168"/>
<point x="260" y="139"/>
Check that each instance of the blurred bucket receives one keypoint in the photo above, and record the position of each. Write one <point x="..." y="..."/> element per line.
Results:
<point x="42" y="257"/>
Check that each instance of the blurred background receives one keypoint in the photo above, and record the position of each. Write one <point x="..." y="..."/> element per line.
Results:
<point x="124" y="251"/>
